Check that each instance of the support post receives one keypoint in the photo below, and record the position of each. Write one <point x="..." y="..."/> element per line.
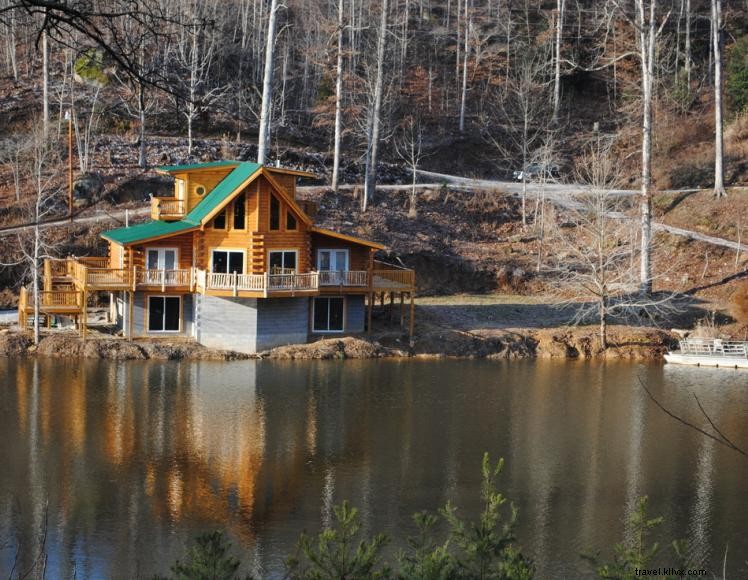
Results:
<point x="402" y="309"/>
<point x="84" y="315"/>
<point x="412" y="318"/>
<point x="392" y="306"/>
<point x="131" y="300"/>
<point x="371" y="307"/>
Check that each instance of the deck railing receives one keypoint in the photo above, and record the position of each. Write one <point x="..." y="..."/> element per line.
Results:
<point x="108" y="277"/>
<point x="51" y="299"/>
<point x="343" y="278"/>
<point x="713" y="347"/>
<point x="164" y="278"/>
<point x="167" y="207"/>
<point x="258" y="282"/>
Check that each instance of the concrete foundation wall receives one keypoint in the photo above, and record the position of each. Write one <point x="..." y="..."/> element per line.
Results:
<point x="226" y="323"/>
<point x="282" y="321"/>
<point x="355" y="319"/>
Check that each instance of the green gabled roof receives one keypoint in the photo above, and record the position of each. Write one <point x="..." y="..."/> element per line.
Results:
<point x="220" y="192"/>
<point x="192" y="166"/>
<point x="158" y="229"/>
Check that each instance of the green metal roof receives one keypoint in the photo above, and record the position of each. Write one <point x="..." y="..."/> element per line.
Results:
<point x="157" y="229"/>
<point x="147" y="231"/>
<point x="191" y="166"/>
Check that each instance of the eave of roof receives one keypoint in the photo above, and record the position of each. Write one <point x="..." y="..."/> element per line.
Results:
<point x="151" y="230"/>
<point x="346" y="237"/>
<point x="196" y="166"/>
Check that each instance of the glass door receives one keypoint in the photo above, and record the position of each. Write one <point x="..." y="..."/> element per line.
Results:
<point x="160" y="265"/>
<point x="333" y="265"/>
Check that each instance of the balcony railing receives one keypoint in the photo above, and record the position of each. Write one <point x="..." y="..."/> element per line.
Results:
<point x="343" y="278"/>
<point x="263" y="283"/>
<point x="167" y="208"/>
<point x="164" y="278"/>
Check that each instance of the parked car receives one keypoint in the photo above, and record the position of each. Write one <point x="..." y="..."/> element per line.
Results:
<point x="535" y="171"/>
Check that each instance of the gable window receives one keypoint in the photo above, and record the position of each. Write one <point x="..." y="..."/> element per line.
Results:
<point x="219" y="222"/>
<point x="240" y="212"/>
<point x="227" y="262"/>
<point x="328" y="314"/>
<point x="282" y="261"/>
<point x="275" y="211"/>
<point x="164" y="313"/>
<point x="290" y="221"/>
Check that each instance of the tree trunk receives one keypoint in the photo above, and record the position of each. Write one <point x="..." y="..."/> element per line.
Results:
<point x="35" y="275"/>
<point x="370" y="178"/>
<point x="142" y="161"/>
<point x="267" y="86"/>
<point x="463" y="98"/>
<point x="719" y="174"/>
<point x="687" y="47"/>
<point x="647" y="34"/>
<point x="45" y="83"/>
<point x="603" y="324"/>
<point x="338" y="101"/>
<point x="557" y="72"/>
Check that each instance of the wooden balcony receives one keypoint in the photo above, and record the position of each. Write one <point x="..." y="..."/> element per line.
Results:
<point x="62" y="302"/>
<point x="164" y="280"/>
<point x="256" y="285"/>
<point x="357" y="278"/>
<point x="390" y="278"/>
<point x="167" y="208"/>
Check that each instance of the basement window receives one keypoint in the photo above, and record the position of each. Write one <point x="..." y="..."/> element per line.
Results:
<point x="164" y="313"/>
<point x="328" y="314"/>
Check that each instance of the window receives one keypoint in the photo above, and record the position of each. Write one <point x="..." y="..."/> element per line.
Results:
<point x="179" y="183"/>
<point x="219" y="222"/>
<point x="161" y="259"/>
<point x="274" y="213"/>
<point x="200" y="190"/>
<point x="164" y="313"/>
<point x="328" y="314"/>
<point x="282" y="261"/>
<point x="290" y="221"/>
<point x="240" y="211"/>
<point x="227" y="262"/>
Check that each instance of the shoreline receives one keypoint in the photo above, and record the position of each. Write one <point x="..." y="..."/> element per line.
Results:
<point x="564" y="342"/>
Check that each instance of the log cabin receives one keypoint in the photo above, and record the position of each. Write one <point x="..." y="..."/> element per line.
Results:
<point x="232" y="260"/>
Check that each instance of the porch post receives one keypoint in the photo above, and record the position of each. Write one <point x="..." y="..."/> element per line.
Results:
<point x="371" y="307"/>
<point x="412" y="318"/>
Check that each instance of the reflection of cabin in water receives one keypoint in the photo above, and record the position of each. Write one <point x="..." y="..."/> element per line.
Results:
<point x="233" y="260"/>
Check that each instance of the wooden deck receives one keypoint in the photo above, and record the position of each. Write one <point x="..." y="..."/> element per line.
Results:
<point x="93" y="274"/>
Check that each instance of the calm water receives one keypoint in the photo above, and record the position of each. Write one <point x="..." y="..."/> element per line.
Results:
<point x="134" y="459"/>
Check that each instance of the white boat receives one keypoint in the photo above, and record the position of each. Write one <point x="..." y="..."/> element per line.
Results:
<point x="710" y="352"/>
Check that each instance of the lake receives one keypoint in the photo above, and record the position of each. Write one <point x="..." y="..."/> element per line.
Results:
<point x="109" y="469"/>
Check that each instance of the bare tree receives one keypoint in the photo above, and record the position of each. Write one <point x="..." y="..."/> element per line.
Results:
<point x="267" y="85"/>
<point x="409" y="147"/>
<point x="374" y="117"/>
<point x="41" y="172"/>
<point x="645" y="23"/>
<point x="560" y="6"/>
<point x="591" y="253"/>
<point x="468" y="23"/>
<point x="719" y="173"/>
<point x="338" y="100"/>
<point x="523" y="113"/>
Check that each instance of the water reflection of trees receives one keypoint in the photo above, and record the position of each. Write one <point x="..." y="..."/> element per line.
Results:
<point x="136" y="457"/>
